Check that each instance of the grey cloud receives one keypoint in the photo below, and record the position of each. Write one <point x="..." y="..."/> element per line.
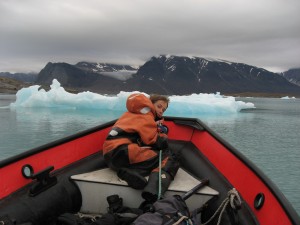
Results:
<point x="262" y="33"/>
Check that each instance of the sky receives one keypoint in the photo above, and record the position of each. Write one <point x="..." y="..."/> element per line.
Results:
<point x="262" y="33"/>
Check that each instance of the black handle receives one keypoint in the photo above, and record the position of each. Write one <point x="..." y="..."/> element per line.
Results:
<point x="195" y="189"/>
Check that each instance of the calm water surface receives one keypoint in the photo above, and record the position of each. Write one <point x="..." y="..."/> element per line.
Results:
<point x="268" y="135"/>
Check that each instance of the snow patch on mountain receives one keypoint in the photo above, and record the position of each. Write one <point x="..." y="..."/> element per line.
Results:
<point x="120" y="75"/>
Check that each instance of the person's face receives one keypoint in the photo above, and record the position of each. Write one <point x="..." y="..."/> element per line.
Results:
<point x="160" y="107"/>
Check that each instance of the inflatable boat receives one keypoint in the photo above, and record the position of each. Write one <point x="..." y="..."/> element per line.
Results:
<point x="70" y="176"/>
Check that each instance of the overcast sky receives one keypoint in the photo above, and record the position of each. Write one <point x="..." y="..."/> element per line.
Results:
<point x="263" y="33"/>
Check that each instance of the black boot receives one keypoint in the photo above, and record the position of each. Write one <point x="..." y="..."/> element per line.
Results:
<point x="114" y="203"/>
<point x="151" y="190"/>
<point x="133" y="178"/>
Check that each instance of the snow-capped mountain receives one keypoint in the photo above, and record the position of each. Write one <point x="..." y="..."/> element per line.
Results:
<point x="184" y="75"/>
<point x="167" y="74"/>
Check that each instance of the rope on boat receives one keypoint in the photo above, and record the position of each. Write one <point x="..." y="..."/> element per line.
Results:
<point x="182" y="217"/>
<point x="92" y="217"/>
<point x="231" y="196"/>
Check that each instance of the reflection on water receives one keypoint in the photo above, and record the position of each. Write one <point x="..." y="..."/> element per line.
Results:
<point x="269" y="136"/>
<point x="27" y="128"/>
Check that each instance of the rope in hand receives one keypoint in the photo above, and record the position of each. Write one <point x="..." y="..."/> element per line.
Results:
<point x="159" y="175"/>
<point x="231" y="196"/>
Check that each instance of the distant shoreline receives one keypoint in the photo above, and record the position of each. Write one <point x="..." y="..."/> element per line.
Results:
<point x="11" y="86"/>
<point x="262" y="95"/>
<point x="244" y="94"/>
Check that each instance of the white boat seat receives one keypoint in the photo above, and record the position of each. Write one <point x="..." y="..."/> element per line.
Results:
<point x="96" y="186"/>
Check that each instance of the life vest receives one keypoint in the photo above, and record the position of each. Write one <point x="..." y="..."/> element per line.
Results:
<point x="137" y="125"/>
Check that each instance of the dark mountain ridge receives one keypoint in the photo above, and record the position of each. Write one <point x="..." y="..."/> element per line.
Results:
<point x="170" y="75"/>
<point x="73" y="77"/>
<point x="24" y="77"/>
<point x="185" y="75"/>
<point x="167" y="74"/>
<point x="292" y="75"/>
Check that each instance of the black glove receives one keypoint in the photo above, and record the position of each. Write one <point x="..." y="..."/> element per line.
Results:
<point x="161" y="143"/>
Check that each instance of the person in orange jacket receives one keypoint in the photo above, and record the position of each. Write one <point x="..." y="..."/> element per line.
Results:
<point x="133" y="144"/>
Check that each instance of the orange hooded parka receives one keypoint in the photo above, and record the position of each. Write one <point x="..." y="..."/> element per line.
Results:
<point x="136" y="129"/>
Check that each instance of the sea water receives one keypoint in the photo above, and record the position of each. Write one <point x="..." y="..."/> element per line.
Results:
<point x="265" y="130"/>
